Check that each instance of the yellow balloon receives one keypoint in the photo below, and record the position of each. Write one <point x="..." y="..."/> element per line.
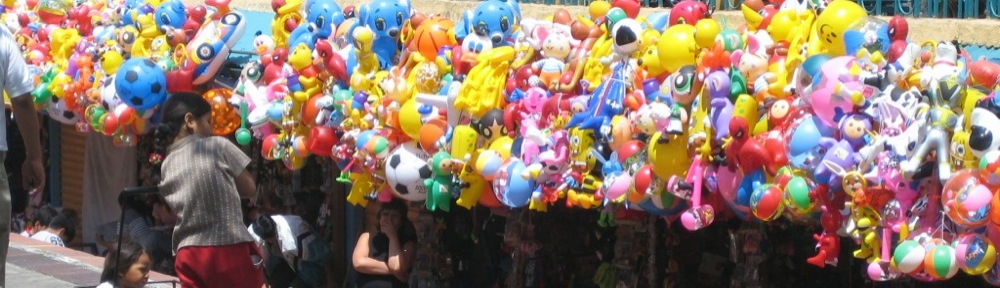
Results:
<point x="782" y="24"/>
<point x="705" y="32"/>
<point x="746" y="107"/>
<point x="409" y="119"/>
<point x="503" y="145"/>
<point x="670" y="158"/>
<point x="463" y="143"/>
<point x="677" y="47"/>
<point x="831" y="24"/>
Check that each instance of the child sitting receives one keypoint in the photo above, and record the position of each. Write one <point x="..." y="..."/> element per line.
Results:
<point x="40" y="221"/>
<point x="61" y="229"/>
<point x="132" y="270"/>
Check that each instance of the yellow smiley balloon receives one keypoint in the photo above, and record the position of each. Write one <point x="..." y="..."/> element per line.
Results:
<point x="677" y="47"/>
<point x="669" y="158"/>
<point x="831" y="24"/>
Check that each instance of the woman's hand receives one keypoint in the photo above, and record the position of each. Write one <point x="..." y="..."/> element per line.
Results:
<point x="389" y="223"/>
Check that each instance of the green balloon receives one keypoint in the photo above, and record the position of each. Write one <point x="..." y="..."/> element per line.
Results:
<point x="798" y="189"/>
<point x="614" y="15"/>
<point x="739" y="84"/>
<point x="243" y="136"/>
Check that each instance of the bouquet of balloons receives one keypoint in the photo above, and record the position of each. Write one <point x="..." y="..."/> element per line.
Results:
<point x="829" y="117"/>
<point x="106" y="65"/>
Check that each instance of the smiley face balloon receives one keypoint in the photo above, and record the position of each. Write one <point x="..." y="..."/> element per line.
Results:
<point x="834" y="21"/>
<point x="677" y="47"/>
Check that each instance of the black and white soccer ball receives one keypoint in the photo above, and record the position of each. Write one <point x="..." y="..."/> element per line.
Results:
<point x="405" y="171"/>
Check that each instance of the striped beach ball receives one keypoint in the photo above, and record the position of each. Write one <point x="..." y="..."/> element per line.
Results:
<point x="909" y="256"/>
<point x="940" y="262"/>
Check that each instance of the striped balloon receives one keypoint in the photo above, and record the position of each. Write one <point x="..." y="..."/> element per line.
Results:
<point x="909" y="256"/>
<point x="940" y="262"/>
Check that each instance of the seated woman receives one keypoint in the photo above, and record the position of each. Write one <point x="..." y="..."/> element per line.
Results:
<point x="383" y="258"/>
<point x="139" y="228"/>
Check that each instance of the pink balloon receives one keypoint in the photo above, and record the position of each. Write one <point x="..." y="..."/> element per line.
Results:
<point x="728" y="181"/>
<point x="976" y="198"/>
<point x="825" y="99"/>
<point x="619" y="186"/>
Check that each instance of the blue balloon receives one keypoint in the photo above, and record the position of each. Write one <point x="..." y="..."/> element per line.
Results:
<point x="749" y="183"/>
<point x="141" y="84"/>
<point x="518" y="192"/>
<point x="659" y="21"/>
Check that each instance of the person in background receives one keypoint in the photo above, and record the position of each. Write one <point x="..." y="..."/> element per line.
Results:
<point x="40" y="221"/>
<point x="383" y="258"/>
<point x="16" y="82"/>
<point x="139" y="228"/>
<point x="132" y="270"/>
<point x="294" y="254"/>
<point x="203" y="178"/>
<point x="61" y="229"/>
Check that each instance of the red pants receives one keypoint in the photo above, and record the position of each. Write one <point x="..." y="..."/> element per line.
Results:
<point x="219" y="266"/>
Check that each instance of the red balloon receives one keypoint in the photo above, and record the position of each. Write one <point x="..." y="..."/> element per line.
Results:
<point x="643" y="180"/>
<point x="631" y="7"/>
<point x="629" y="149"/>
<point x="310" y="111"/>
<point x="180" y="80"/>
<point x="110" y="123"/>
<point x="266" y="147"/>
<point x="321" y="140"/>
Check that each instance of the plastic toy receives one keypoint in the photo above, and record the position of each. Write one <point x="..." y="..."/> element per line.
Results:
<point x="494" y="19"/>
<point x="385" y="18"/>
<point x="322" y="16"/>
<point x="211" y="46"/>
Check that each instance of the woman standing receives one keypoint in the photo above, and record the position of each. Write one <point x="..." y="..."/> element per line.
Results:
<point x="203" y="178"/>
<point x="383" y="258"/>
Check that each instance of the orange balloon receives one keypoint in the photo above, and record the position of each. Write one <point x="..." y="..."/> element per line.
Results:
<point x="431" y="36"/>
<point x="756" y="5"/>
<point x="225" y="118"/>
<point x="489" y="199"/>
<point x="431" y="132"/>
<point x="310" y="111"/>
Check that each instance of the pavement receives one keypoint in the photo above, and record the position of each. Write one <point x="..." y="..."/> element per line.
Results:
<point x="32" y="263"/>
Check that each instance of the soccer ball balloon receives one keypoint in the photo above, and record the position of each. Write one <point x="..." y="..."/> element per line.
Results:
<point x="141" y="84"/>
<point x="405" y="171"/>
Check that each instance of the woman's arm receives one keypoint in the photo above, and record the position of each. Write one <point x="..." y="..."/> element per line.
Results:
<point x="405" y="261"/>
<point x="364" y="264"/>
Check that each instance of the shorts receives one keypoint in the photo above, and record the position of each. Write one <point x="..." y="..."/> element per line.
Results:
<point x="219" y="266"/>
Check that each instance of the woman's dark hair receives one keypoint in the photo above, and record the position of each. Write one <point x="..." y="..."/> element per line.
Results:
<point x="265" y="227"/>
<point x="129" y="254"/>
<point x="139" y="204"/>
<point x="406" y="229"/>
<point x="172" y="119"/>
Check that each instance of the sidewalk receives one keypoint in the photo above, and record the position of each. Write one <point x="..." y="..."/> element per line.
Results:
<point x="32" y="263"/>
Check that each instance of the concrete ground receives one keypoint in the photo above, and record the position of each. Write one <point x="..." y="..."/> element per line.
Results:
<point x="32" y="263"/>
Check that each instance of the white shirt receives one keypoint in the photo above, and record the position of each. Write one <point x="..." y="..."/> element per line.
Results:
<point x="288" y="228"/>
<point x="15" y="80"/>
<point x="47" y="236"/>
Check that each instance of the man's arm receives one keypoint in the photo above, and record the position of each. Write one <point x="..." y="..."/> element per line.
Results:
<point x="33" y="171"/>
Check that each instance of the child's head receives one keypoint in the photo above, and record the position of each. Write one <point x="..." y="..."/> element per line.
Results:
<point x="42" y="218"/>
<point x="265" y="228"/>
<point x="184" y="113"/>
<point x="132" y="270"/>
<point x="64" y="225"/>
